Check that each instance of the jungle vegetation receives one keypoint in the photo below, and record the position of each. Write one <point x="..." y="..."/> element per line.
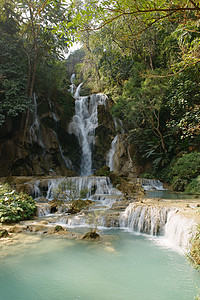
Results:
<point x="144" y="54"/>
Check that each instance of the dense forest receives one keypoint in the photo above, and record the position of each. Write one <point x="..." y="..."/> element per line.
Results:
<point x="144" y="55"/>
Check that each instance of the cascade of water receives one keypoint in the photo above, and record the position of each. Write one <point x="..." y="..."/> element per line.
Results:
<point x="72" y="86"/>
<point x="94" y="188"/>
<point x="66" y="160"/>
<point x="43" y="209"/>
<point x="83" y="126"/>
<point x="77" y="93"/>
<point x="178" y="230"/>
<point x="151" y="184"/>
<point x="34" y="131"/>
<point x="36" y="189"/>
<point x="146" y="219"/>
<point x="118" y="125"/>
<point x="110" y="156"/>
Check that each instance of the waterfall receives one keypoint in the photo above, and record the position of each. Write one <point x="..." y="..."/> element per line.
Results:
<point x="72" y="86"/>
<point x="77" y="93"/>
<point x="178" y="230"/>
<point x="118" y="125"/>
<point x="36" y="189"/>
<point x="96" y="188"/>
<point x="151" y="184"/>
<point x="66" y="160"/>
<point x="83" y="126"/>
<point x="145" y="219"/>
<point x="175" y="230"/>
<point x="110" y="156"/>
<point x="34" y="131"/>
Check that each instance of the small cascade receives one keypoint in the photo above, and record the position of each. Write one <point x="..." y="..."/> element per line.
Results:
<point x="66" y="160"/>
<point x="72" y="86"/>
<point x="43" y="209"/>
<point x="83" y="126"/>
<point x="36" y="189"/>
<point x="34" y="131"/>
<point x="110" y="156"/>
<point x="97" y="189"/>
<point x="151" y="184"/>
<point x="77" y="93"/>
<point x="169" y="223"/>
<point x="144" y="219"/>
<point x="118" y="125"/>
<point x="178" y="230"/>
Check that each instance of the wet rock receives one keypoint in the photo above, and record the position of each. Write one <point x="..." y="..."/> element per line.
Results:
<point x="91" y="235"/>
<point x="3" y="233"/>
<point x="16" y="229"/>
<point x="36" y="228"/>
<point x="57" y="230"/>
<point x="78" y="205"/>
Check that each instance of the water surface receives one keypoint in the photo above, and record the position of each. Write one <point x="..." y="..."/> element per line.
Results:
<point x="120" y="266"/>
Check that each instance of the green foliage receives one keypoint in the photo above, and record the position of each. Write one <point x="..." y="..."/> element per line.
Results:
<point x="67" y="191"/>
<point x="13" y="79"/>
<point x="15" y="207"/>
<point x="184" y="170"/>
<point x="104" y="171"/>
<point x="94" y="219"/>
<point x="78" y="205"/>
<point x="193" y="187"/>
<point x="194" y="254"/>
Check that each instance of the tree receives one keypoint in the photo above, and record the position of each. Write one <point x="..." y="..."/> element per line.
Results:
<point x="13" y="97"/>
<point x="144" y="15"/>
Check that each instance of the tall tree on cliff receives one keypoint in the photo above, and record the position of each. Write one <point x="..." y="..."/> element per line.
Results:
<point x="43" y="32"/>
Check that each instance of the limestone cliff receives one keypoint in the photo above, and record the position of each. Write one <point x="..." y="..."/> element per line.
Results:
<point x="47" y="147"/>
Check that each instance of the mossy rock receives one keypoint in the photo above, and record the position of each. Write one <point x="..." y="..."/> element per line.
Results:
<point x="78" y="205"/>
<point x="58" y="228"/>
<point x="3" y="233"/>
<point x="104" y="171"/>
<point x="91" y="235"/>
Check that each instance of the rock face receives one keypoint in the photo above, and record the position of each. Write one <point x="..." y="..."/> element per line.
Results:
<point x="46" y="148"/>
<point x="106" y="132"/>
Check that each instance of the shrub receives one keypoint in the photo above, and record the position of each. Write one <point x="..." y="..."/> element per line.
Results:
<point x="194" y="186"/>
<point x="184" y="170"/>
<point x="14" y="206"/>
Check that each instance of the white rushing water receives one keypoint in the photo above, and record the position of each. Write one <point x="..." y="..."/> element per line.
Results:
<point x="174" y="229"/>
<point x="95" y="188"/>
<point x="83" y="126"/>
<point x="111" y="153"/>
<point x="145" y="219"/>
<point x="66" y="160"/>
<point x="151" y="184"/>
<point x="34" y="131"/>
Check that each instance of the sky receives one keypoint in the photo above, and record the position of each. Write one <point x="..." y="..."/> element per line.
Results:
<point x="75" y="46"/>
